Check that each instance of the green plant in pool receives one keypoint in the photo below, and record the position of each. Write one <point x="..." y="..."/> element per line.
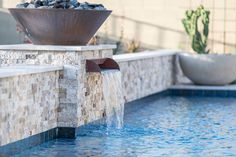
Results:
<point x="191" y="24"/>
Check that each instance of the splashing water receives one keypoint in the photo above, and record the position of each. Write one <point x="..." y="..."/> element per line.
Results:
<point x="113" y="97"/>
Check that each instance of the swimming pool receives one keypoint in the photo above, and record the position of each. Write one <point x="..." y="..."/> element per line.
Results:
<point x="154" y="126"/>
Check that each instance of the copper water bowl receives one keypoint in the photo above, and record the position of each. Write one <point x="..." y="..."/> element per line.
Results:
<point x="60" y="26"/>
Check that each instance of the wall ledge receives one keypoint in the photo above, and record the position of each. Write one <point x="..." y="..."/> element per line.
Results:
<point x="12" y="71"/>
<point x="197" y="87"/>
<point x="144" y="55"/>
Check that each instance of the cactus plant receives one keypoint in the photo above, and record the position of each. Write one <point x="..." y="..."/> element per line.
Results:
<point x="191" y="23"/>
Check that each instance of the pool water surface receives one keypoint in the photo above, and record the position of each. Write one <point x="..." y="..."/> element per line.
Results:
<point x="153" y="127"/>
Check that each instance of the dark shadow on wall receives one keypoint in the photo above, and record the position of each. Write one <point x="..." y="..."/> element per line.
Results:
<point x="8" y="33"/>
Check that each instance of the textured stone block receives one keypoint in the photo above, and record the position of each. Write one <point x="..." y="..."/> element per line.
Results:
<point x="28" y="105"/>
<point x="143" y="77"/>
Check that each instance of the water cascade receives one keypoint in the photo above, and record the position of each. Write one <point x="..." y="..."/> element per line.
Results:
<point x="113" y="98"/>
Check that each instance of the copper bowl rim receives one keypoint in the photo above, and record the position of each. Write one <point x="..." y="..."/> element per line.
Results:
<point x="85" y="33"/>
<point x="59" y="9"/>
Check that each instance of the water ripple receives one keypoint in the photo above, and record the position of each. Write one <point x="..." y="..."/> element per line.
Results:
<point x="166" y="127"/>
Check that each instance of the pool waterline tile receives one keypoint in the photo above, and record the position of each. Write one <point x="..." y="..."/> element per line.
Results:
<point x="27" y="143"/>
<point x="203" y="92"/>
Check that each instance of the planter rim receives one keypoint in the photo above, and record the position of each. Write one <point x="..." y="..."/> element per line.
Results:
<point x="209" y="69"/>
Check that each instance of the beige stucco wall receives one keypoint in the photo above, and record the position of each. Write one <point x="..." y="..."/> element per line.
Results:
<point x="157" y="23"/>
<point x="9" y="3"/>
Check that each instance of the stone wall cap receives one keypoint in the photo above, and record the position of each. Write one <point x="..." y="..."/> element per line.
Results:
<point x="30" y="47"/>
<point x="144" y="55"/>
<point x="196" y="87"/>
<point x="12" y="71"/>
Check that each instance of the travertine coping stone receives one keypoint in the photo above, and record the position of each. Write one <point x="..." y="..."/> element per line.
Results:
<point x="12" y="71"/>
<point x="144" y="55"/>
<point x="30" y="47"/>
<point x="231" y="87"/>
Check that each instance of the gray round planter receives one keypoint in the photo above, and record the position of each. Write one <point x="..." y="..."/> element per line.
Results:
<point x="211" y="69"/>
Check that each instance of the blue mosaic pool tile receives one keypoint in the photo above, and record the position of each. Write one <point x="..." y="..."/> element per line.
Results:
<point x="66" y="132"/>
<point x="17" y="147"/>
<point x="222" y="93"/>
<point x="197" y="93"/>
<point x="32" y="141"/>
<point x="232" y="93"/>
<point x="203" y="93"/>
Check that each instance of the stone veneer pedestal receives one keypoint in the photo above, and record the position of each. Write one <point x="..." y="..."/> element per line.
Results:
<point x="72" y="80"/>
<point x="77" y="98"/>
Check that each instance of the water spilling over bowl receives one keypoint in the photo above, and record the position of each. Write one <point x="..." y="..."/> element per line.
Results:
<point x="60" y="26"/>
